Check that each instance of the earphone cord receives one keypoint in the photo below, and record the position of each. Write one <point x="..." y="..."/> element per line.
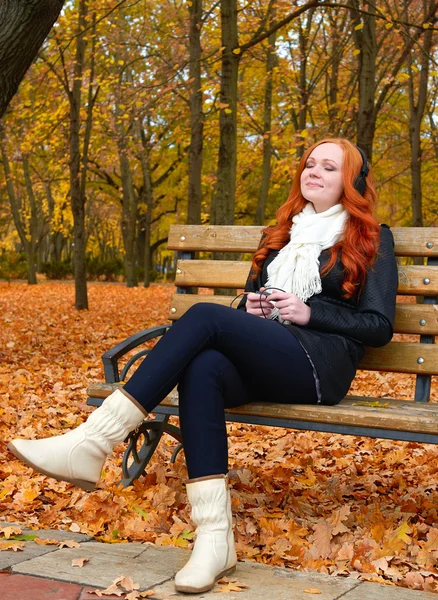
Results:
<point x="261" y="294"/>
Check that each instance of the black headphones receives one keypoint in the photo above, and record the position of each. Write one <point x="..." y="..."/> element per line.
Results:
<point x="360" y="182"/>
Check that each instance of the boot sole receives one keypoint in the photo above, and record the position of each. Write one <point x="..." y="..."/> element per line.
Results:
<point x="192" y="590"/>
<point x="88" y="486"/>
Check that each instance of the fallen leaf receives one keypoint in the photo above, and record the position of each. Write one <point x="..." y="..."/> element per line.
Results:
<point x="322" y="539"/>
<point x="69" y="544"/>
<point x="135" y="595"/>
<point x="120" y="585"/>
<point x="11" y="530"/>
<point x="79" y="562"/>
<point x="14" y="546"/>
<point x="42" y="542"/>
<point x="230" y="585"/>
<point x="74" y="527"/>
<point x="375" y="404"/>
<point x="312" y="591"/>
<point x="112" y="590"/>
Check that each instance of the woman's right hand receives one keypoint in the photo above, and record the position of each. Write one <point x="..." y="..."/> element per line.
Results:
<point x="258" y="305"/>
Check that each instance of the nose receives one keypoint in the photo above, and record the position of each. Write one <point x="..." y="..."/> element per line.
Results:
<point x="314" y="172"/>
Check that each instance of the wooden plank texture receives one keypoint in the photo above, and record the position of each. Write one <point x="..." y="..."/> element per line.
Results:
<point x="233" y="274"/>
<point x="409" y="241"/>
<point x="402" y="357"/>
<point x="212" y="273"/>
<point x="407" y="320"/>
<point x="401" y="415"/>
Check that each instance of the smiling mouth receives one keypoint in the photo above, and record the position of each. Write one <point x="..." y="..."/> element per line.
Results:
<point x="309" y="184"/>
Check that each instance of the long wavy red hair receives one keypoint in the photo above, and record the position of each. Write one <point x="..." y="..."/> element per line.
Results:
<point x="358" y="248"/>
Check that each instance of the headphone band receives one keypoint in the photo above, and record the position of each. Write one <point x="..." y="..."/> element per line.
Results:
<point x="360" y="184"/>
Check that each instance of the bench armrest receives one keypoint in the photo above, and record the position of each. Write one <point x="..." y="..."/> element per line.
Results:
<point x="111" y="358"/>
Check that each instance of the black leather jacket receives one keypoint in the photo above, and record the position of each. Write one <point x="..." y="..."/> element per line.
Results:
<point x="338" y="329"/>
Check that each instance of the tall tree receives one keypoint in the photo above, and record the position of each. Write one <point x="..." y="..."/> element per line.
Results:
<point x="368" y="51"/>
<point x="78" y="164"/>
<point x="223" y="201"/>
<point x="27" y="219"/>
<point x="267" y="134"/>
<point x="418" y="88"/>
<point x="196" y="115"/>
<point x="222" y="208"/>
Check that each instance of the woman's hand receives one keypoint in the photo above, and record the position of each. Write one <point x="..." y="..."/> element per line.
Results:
<point x="253" y="303"/>
<point x="291" y="307"/>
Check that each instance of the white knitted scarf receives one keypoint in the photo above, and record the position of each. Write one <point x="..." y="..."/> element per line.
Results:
<point x="295" y="269"/>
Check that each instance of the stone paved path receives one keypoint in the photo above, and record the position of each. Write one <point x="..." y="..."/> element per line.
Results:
<point x="45" y="572"/>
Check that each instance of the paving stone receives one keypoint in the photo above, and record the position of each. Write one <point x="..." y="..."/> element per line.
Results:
<point x="31" y="549"/>
<point x="9" y="558"/>
<point x="23" y="587"/>
<point x="147" y="565"/>
<point x="50" y="534"/>
<point x="387" y="592"/>
<point x="265" y="582"/>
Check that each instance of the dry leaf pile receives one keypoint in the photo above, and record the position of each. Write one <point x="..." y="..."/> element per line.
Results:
<point x="335" y="504"/>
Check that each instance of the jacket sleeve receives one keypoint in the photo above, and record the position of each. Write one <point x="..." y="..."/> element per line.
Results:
<point x="371" y="323"/>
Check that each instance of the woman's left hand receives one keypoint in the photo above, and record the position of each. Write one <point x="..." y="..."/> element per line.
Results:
<point x="291" y="307"/>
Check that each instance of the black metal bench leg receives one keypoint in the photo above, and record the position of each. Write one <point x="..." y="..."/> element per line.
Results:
<point x="136" y="460"/>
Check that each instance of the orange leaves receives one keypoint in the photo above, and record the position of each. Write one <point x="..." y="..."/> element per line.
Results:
<point x="338" y="504"/>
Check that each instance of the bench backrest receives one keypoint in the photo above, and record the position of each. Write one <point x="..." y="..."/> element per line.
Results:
<point x="420" y="358"/>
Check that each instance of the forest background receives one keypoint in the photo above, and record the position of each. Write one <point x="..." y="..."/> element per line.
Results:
<point x="136" y="114"/>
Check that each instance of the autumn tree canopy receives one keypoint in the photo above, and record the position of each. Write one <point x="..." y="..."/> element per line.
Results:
<point x="136" y="115"/>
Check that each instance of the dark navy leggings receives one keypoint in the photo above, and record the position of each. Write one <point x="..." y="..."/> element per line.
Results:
<point x="220" y="358"/>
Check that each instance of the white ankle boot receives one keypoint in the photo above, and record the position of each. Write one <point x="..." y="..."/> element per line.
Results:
<point x="214" y="555"/>
<point x="78" y="456"/>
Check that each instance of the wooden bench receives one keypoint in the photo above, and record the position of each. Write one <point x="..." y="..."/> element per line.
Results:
<point x="415" y="420"/>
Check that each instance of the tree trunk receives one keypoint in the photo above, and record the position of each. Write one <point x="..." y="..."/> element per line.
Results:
<point x="337" y="31"/>
<point x="267" y="123"/>
<point x="33" y="224"/>
<point x="196" y="116"/>
<point x="416" y="114"/>
<point x="28" y="239"/>
<point x="148" y="199"/>
<point x="303" y="75"/>
<point x="24" y="27"/>
<point x="222" y="209"/>
<point x="76" y="197"/>
<point x="129" y="212"/>
<point x="15" y="208"/>
<point x="365" y="41"/>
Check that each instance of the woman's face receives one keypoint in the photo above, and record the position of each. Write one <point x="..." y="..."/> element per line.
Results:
<point x="321" y="180"/>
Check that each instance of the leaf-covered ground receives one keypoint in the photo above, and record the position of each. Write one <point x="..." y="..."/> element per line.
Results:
<point x="336" y="504"/>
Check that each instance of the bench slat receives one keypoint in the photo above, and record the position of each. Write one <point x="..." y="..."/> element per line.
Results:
<point x="409" y="241"/>
<point x="402" y="415"/>
<point x="407" y="320"/>
<point x="233" y="274"/>
<point x="402" y="357"/>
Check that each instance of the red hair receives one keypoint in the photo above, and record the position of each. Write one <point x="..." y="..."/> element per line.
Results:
<point x="358" y="248"/>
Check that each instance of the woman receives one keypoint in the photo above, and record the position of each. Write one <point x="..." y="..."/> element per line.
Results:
<point x="333" y="278"/>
